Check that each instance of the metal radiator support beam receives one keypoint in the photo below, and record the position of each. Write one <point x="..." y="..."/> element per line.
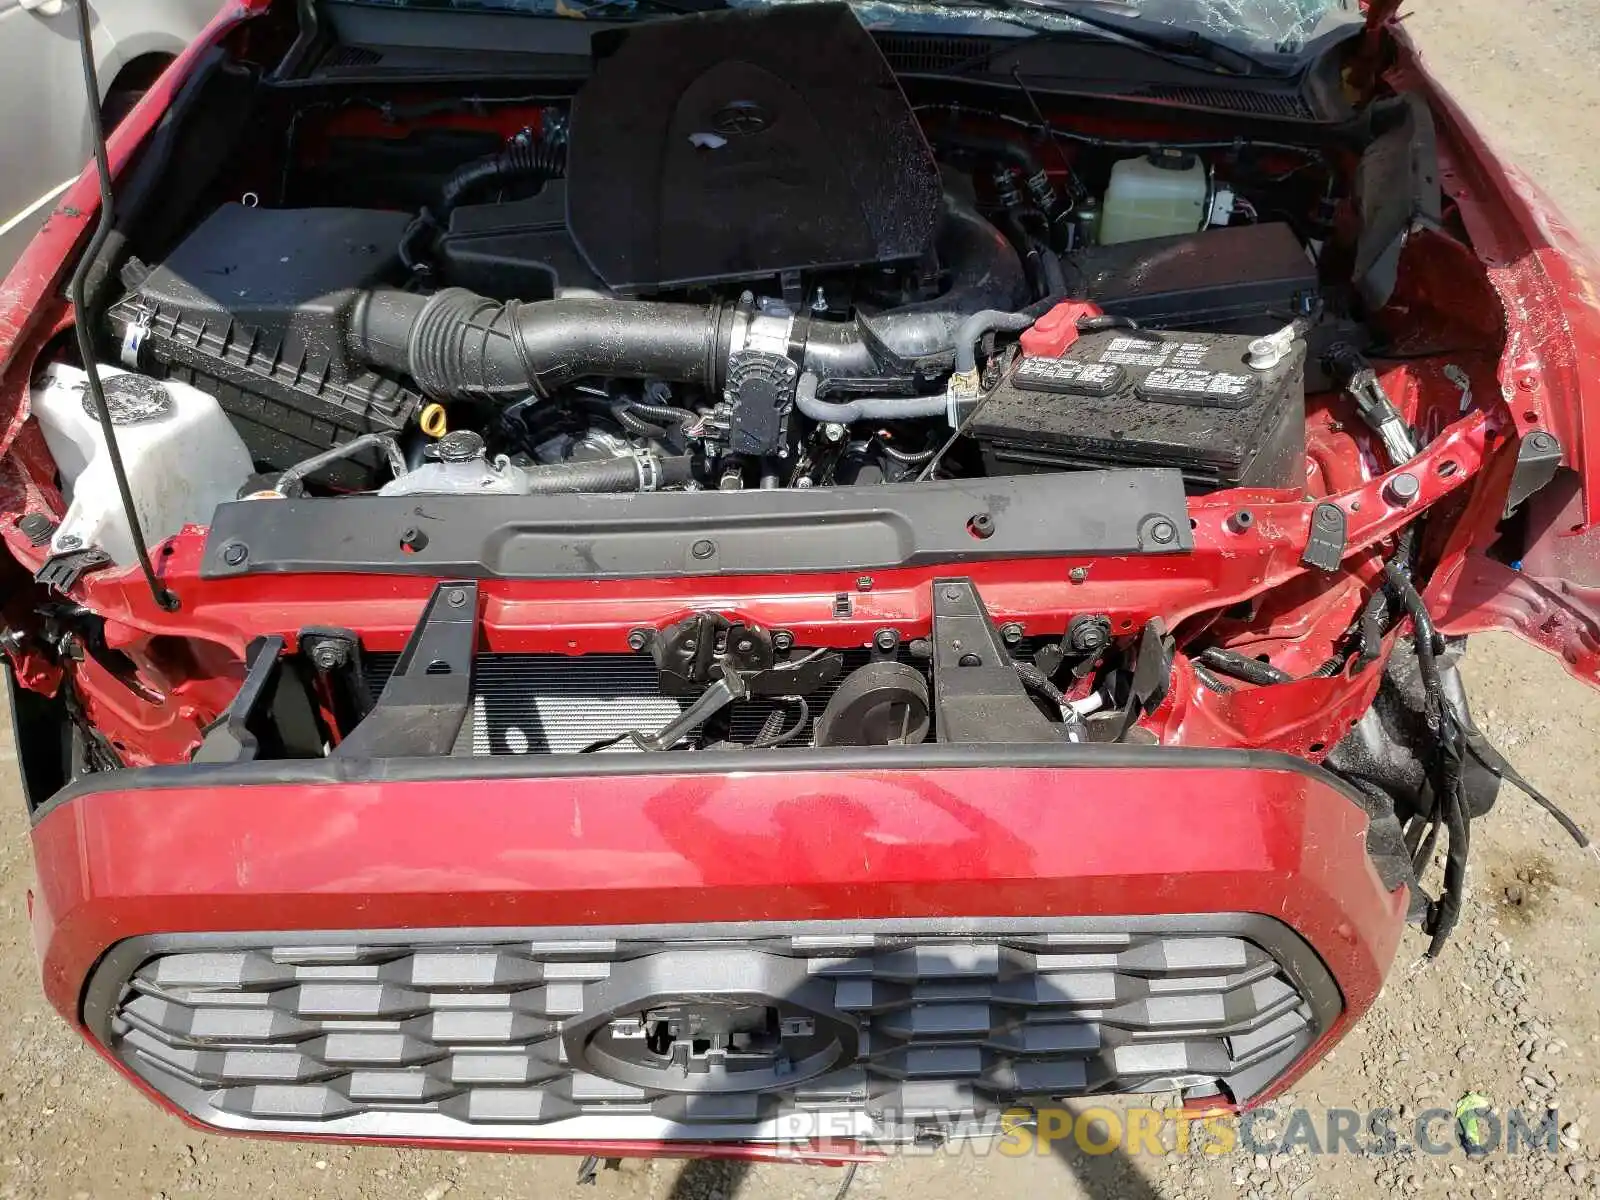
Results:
<point x="429" y="694"/>
<point x="977" y="694"/>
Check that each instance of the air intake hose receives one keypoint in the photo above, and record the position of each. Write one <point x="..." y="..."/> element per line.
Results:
<point x="458" y="344"/>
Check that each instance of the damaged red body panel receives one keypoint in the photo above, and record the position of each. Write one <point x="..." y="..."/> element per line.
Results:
<point x="956" y="844"/>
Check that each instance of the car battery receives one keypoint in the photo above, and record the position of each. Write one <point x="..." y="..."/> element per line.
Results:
<point x="1148" y="398"/>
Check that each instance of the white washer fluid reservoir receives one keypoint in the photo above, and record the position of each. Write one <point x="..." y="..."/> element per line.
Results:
<point x="182" y="455"/>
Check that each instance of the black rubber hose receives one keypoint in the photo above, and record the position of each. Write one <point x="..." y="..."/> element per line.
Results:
<point x="606" y="475"/>
<point x="989" y="146"/>
<point x="985" y="272"/>
<point x="979" y="323"/>
<point x="457" y="344"/>
<point x="864" y="408"/>
<point x="521" y="161"/>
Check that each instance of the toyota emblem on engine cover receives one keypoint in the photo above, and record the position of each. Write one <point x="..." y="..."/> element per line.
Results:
<point x="740" y="118"/>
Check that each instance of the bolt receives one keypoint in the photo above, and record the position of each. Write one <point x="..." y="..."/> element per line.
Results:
<point x="886" y="640"/>
<point x="413" y="539"/>
<point x="920" y="648"/>
<point x="969" y="660"/>
<point x="863" y="583"/>
<point x="745" y="646"/>
<point x="1402" y="489"/>
<point x="704" y="548"/>
<point x="235" y="553"/>
<point x="688" y="645"/>
<point x="819" y="303"/>
<point x="71" y="542"/>
<point x="980" y="525"/>
<point x="1163" y="532"/>
<point x="638" y="639"/>
<point x="1011" y="633"/>
<point x="456" y="597"/>
<point x="328" y="655"/>
<point x="1087" y="633"/>
<point x="1327" y="516"/>
<point x="1526" y="383"/>
<point x="833" y="431"/>
<point x="36" y="527"/>
<point x="952" y="593"/>
<point x="1542" y="441"/>
<point x="1239" y="522"/>
<point x="782" y="640"/>
<point x="1078" y="574"/>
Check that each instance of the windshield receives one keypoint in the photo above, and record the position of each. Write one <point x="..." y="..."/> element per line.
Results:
<point x="1260" y="26"/>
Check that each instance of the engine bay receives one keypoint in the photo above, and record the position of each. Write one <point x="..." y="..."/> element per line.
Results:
<point x="748" y="390"/>
<point x="742" y="275"/>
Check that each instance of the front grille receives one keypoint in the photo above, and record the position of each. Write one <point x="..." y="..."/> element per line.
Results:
<point x="873" y="1029"/>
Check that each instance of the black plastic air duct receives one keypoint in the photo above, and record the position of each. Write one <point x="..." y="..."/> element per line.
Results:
<point x="458" y="344"/>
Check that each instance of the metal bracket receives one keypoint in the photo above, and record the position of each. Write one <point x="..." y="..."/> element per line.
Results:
<point x="1152" y="674"/>
<point x="428" y="696"/>
<point x="977" y="694"/>
<point x="335" y="654"/>
<point x="270" y="715"/>
<point x="1325" y="547"/>
<point x="685" y="653"/>
<point x="1538" y="459"/>
<point x="62" y="571"/>
<point x="230" y="739"/>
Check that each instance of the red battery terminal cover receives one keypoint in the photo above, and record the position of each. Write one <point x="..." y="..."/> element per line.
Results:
<point x="1053" y="334"/>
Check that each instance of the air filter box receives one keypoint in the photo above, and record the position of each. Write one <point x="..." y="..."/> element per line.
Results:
<point x="251" y="308"/>
<point x="1149" y="398"/>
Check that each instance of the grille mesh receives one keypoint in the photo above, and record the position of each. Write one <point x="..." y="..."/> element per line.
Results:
<point x="452" y="1039"/>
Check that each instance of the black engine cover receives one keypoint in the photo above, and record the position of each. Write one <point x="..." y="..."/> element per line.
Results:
<point x="740" y="145"/>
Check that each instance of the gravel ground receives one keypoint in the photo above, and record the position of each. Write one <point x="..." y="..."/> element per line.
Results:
<point x="1506" y="1013"/>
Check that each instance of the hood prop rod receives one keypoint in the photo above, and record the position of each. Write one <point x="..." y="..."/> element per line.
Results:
<point x="164" y="597"/>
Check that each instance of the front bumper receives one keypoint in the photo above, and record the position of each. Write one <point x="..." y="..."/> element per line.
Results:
<point x="935" y="935"/>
